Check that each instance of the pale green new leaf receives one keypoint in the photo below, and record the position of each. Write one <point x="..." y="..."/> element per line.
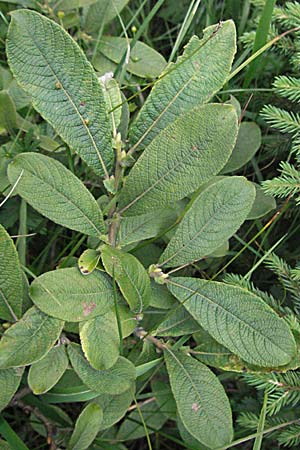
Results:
<point x="113" y="98"/>
<point x="88" y="261"/>
<point x="201" y="400"/>
<point x="86" y="427"/>
<point x="11" y="283"/>
<point x="184" y="155"/>
<point x="54" y="191"/>
<point x="130" y="275"/>
<point x="101" y="13"/>
<point x="247" y="144"/>
<point x="214" y="217"/>
<point x="68" y="295"/>
<point x="194" y="79"/>
<point x="9" y="381"/>
<point x="100" y="341"/>
<point x="119" y="378"/>
<point x="29" y="339"/>
<point x="45" y="373"/>
<point x="144" y="61"/>
<point x="63" y="86"/>
<point x="238" y="319"/>
<point x="145" y="226"/>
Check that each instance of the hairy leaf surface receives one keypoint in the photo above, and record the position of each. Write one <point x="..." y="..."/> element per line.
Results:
<point x="187" y="153"/>
<point x="100" y="341"/>
<point x="132" y="278"/>
<point x="119" y="378"/>
<point x="11" y="284"/>
<point x="86" y="427"/>
<point x="214" y="217"/>
<point x="29" y="339"/>
<point x="238" y="319"/>
<point x="62" y="84"/>
<point x="53" y="190"/>
<point x="68" y="295"/>
<point x="46" y="372"/>
<point x="196" y="76"/>
<point x="201" y="400"/>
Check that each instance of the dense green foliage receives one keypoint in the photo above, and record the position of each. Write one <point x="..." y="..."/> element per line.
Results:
<point x="149" y="276"/>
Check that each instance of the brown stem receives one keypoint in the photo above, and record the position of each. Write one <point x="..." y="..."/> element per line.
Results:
<point x="50" y="428"/>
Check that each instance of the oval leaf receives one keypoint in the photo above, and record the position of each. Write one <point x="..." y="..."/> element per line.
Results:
<point x="114" y="407"/>
<point x="132" y="278"/>
<point x="100" y="341"/>
<point x="263" y="204"/>
<point x="29" y="339"/>
<point x="201" y="400"/>
<point x="195" y="77"/>
<point x="86" y="427"/>
<point x="247" y="144"/>
<point x="68" y="295"/>
<point x="144" y="61"/>
<point x="56" y="193"/>
<point x="44" y="374"/>
<point x="11" y="283"/>
<point x="183" y="156"/>
<point x="88" y="261"/>
<point x="214" y="217"/>
<point x="62" y="84"/>
<point x="238" y="319"/>
<point x="119" y="378"/>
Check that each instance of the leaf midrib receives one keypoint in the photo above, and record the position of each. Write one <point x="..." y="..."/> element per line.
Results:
<point x="226" y="312"/>
<point x="35" y="43"/>
<point x="68" y="200"/>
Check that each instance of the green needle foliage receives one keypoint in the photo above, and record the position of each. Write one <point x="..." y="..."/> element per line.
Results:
<point x="119" y="332"/>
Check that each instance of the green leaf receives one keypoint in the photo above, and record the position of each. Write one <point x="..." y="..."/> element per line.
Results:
<point x="56" y="193"/>
<point x="119" y="378"/>
<point x="145" y="226"/>
<point x="132" y="278"/>
<point x="68" y="295"/>
<point x="101" y="13"/>
<point x="178" y="323"/>
<point x="193" y="80"/>
<point x="201" y="400"/>
<point x="160" y="296"/>
<point x="237" y="319"/>
<point x="247" y="144"/>
<point x="29" y="339"/>
<point x="214" y="217"/>
<point x="114" y="407"/>
<point x="9" y="381"/>
<point x="88" y="261"/>
<point x="86" y="427"/>
<point x="184" y="155"/>
<point x="113" y="98"/>
<point x="263" y="204"/>
<point x="11" y="283"/>
<point x="144" y="61"/>
<point x="100" y="341"/>
<point x="8" y="113"/>
<point x="45" y="373"/>
<point x="66" y="5"/>
<point x="62" y="84"/>
<point x="132" y="428"/>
